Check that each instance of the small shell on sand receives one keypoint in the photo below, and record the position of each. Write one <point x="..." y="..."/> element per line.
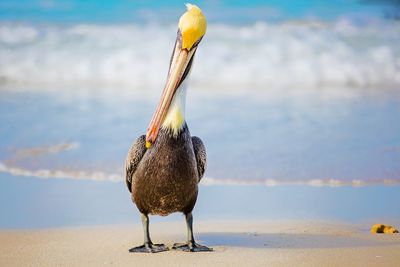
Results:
<point x="383" y="229"/>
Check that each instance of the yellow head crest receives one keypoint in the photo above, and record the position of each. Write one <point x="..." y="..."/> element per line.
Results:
<point x="192" y="25"/>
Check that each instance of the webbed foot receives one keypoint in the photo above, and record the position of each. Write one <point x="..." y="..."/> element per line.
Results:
<point x="149" y="248"/>
<point x="191" y="247"/>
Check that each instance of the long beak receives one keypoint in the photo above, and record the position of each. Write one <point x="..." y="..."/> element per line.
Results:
<point x="177" y="70"/>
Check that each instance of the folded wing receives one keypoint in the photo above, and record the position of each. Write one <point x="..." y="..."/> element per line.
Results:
<point x="135" y="155"/>
<point x="201" y="156"/>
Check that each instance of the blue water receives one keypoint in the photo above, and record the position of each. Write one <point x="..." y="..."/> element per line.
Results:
<point x="34" y="203"/>
<point x="282" y="92"/>
<point x="232" y="11"/>
<point x="315" y="66"/>
<point x="292" y="138"/>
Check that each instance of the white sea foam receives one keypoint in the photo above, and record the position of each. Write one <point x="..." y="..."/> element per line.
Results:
<point x="291" y="54"/>
<point x="207" y="181"/>
<point x="60" y="174"/>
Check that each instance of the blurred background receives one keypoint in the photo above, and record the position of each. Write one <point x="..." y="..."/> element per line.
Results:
<point x="301" y="93"/>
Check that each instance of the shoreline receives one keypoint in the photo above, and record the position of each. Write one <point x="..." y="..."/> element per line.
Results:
<point x="235" y="243"/>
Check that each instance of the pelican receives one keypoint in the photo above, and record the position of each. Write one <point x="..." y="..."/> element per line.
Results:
<point x="163" y="167"/>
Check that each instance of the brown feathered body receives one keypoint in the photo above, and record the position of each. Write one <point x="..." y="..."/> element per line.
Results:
<point x="164" y="178"/>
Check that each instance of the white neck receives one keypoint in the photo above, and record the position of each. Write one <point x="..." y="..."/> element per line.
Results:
<point x="175" y="118"/>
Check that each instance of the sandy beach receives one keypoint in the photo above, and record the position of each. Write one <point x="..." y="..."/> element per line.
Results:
<point x="235" y="243"/>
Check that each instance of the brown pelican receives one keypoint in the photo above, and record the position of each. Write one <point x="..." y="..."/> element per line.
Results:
<point x="164" y="167"/>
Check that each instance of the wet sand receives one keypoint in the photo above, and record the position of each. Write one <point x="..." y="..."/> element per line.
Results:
<point x="235" y="243"/>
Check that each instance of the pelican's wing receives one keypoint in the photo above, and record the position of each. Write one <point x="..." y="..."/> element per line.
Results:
<point x="201" y="156"/>
<point x="135" y="155"/>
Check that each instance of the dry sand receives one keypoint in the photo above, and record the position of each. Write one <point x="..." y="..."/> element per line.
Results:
<point x="238" y="243"/>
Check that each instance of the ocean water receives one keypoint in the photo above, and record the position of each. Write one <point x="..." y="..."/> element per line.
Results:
<point x="259" y="55"/>
<point x="300" y="138"/>
<point x="36" y="203"/>
<point x="301" y="94"/>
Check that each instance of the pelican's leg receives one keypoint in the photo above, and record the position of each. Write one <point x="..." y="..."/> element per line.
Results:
<point x="148" y="246"/>
<point x="191" y="245"/>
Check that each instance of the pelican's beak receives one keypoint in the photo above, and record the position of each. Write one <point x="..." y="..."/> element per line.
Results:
<point x="180" y="65"/>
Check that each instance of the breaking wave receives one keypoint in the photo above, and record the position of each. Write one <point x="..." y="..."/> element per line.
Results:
<point x="300" y="54"/>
